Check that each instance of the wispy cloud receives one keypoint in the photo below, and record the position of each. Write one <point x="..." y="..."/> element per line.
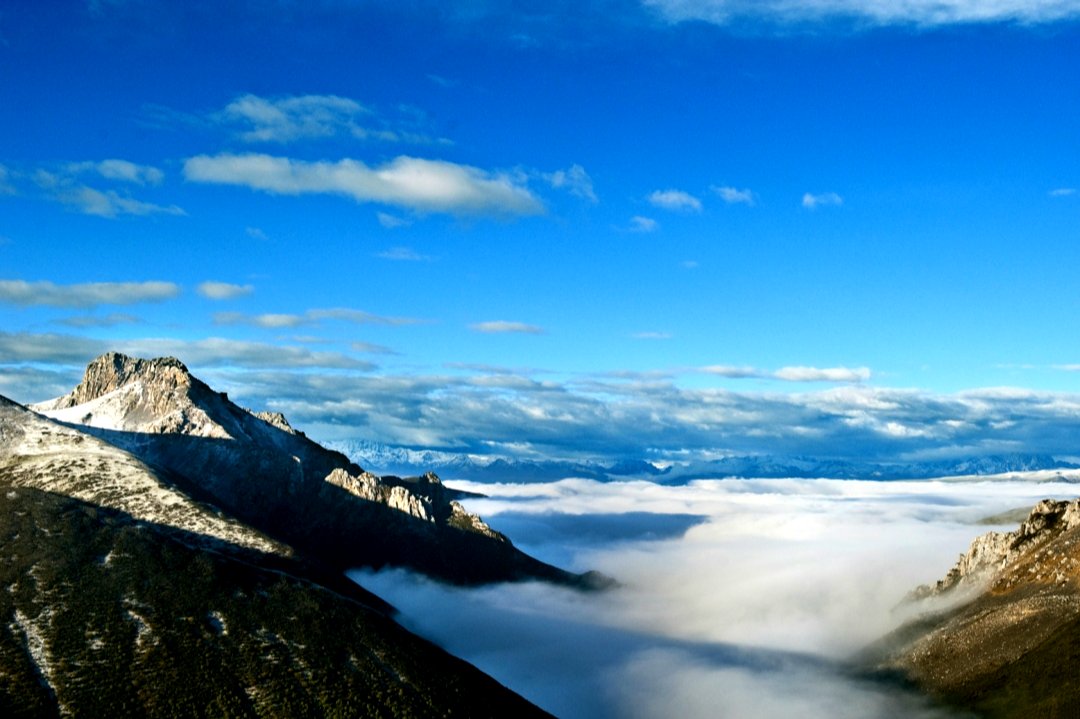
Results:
<point x="120" y="171"/>
<point x="812" y="202"/>
<point x="735" y="196"/>
<point x="505" y="327"/>
<point x="6" y="188"/>
<point x="403" y="254"/>
<point x="574" y="180"/>
<point x="212" y="290"/>
<point x="643" y="224"/>
<point x="91" y="294"/>
<point x="293" y="118"/>
<point x="311" y="317"/>
<point x="792" y="374"/>
<point x="110" y="320"/>
<point x="675" y="200"/>
<point x="1063" y="192"/>
<point x="414" y="183"/>
<point x="826" y="374"/>
<point x="256" y="233"/>
<point x="922" y="13"/>
<point x="651" y="335"/>
<point x="391" y="222"/>
<point x="66" y="187"/>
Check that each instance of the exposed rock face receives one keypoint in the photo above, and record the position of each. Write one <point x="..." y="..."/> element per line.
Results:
<point x="261" y="470"/>
<point x="1009" y="649"/>
<point x="993" y="553"/>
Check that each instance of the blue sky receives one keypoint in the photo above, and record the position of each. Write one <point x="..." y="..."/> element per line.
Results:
<point x="592" y="228"/>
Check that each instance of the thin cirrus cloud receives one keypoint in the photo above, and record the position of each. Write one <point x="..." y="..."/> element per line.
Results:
<point x="403" y="254"/>
<point x="735" y="196"/>
<point x="212" y="290"/>
<point x="921" y="13"/>
<point x="409" y="182"/>
<point x="311" y="317"/>
<point x="120" y="171"/>
<point x="66" y="186"/>
<point x="1063" y="192"/>
<point x="294" y="118"/>
<point x="90" y="294"/>
<point x="574" y="180"/>
<point x="677" y="200"/>
<point x="826" y="199"/>
<point x="643" y="224"/>
<point x="506" y="327"/>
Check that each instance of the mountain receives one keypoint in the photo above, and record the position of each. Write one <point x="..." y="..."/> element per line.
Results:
<point x="405" y="460"/>
<point x="1007" y="642"/>
<point x="271" y="477"/>
<point x="121" y="595"/>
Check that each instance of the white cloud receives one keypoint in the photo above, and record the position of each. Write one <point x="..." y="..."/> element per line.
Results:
<point x="414" y="183"/>
<point x="735" y="196"/>
<point x="651" y="335"/>
<point x="923" y="13"/>
<point x="391" y="222"/>
<point x="811" y="201"/>
<point x="89" y="294"/>
<point x="6" y="188"/>
<point x="732" y="372"/>
<point x="643" y="224"/>
<point x="828" y="374"/>
<point x="110" y="203"/>
<point x="311" y="317"/>
<point x="223" y="290"/>
<point x="1063" y="192"/>
<point x="675" y="200"/>
<point x="575" y="180"/>
<point x="256" y="233"/>
<point x="110" y="320"/>
<point x="295" y="118"/>
<point x="120" y="171"/>
<point x="504" y="327"/>
<point x="404" y="254"/>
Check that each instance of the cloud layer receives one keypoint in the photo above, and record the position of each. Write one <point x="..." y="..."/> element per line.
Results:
<point x="740" y="613"/>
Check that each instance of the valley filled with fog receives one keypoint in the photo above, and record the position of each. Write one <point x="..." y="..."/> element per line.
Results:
<point x="736" y="597"/>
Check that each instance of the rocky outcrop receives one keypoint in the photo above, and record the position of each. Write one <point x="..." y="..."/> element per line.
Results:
<point x="1009" y="637"/>
<point x="993" y="553"/>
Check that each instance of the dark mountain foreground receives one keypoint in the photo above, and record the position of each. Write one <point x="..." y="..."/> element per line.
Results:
<point x="105" y="615"/>
<point x="1001" y="635"/>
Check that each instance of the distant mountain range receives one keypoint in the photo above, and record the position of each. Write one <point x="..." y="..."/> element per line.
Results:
<point x="406" y="461"/>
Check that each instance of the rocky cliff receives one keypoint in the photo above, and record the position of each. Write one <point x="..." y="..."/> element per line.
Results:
<point x="1009" y="644"/>
<point x="261" y="471"/>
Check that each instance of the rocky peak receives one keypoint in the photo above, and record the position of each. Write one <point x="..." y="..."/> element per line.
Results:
<point x="277" y="419"/>
<point x="114" y="370"/>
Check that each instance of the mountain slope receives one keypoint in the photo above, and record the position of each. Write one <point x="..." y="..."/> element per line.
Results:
<point x="268" y="475"/>
<point x="105" y="615"/>
<point x="1010" y="645"/>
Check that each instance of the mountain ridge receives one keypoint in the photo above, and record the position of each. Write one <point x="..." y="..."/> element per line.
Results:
<point x="263" y="472"/>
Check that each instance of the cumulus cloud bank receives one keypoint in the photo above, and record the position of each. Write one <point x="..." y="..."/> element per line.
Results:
<point x="410" y="182"/>
<point x="743" y="612"/>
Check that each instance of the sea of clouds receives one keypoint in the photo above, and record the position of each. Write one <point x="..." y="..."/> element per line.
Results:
<point x="738" y="598"/>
